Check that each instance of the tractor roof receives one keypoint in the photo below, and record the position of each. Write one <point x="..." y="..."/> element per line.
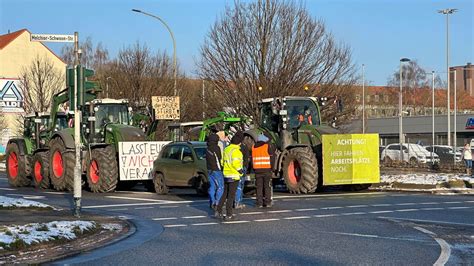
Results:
<point x="266" y="100"/>
<point x="110" y="101"/>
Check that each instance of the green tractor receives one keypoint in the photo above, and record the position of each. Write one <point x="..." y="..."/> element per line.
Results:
<point x="27" y="155"/>
<point x="105" y="123"/>
<point x="294" y="124"/>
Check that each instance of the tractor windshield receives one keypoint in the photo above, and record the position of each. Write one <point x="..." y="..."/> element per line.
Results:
<point x="302" y="112"/>
<point x="111" y="113"/>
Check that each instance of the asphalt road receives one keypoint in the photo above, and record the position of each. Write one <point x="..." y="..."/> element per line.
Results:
<point x="329" y="228"/>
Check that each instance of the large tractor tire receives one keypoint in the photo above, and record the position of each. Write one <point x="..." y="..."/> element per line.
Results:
<point x="62" y="162"/>
<point x="300" y="170"/>
<point x="41" y="170"/>
<point x="16" y="167"/>
<point x="102" y="170"/>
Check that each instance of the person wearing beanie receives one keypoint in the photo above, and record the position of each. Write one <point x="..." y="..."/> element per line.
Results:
<point x="262" y="160"/>
<point x="214" y="168"/>
<point x="233" y="170"/>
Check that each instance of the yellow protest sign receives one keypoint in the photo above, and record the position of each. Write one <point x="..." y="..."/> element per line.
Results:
<point x="351" y="159"/>
<point x="166" y="107"/>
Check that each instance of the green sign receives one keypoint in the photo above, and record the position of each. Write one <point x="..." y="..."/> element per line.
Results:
<point x="351" y="159"/>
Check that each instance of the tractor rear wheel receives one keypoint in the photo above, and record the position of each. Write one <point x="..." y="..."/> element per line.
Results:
<point x="300" y="170"/>
<point x="16" y="167"/>
<point x="102" y="170"/>
<point x="41" y="170"/>
<point x="62" y="163"/>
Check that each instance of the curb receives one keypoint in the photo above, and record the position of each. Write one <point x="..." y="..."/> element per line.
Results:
<point x="437" y="191"/>
<point x="131" y="231"/>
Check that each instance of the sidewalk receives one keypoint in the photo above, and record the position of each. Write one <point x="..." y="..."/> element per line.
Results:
<point x="40" y="221"/>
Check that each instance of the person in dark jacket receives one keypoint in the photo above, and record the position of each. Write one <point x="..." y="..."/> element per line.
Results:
<point x="214" y="168"/>
<point x="240" y="188"/>
<point x="263" y="154"/>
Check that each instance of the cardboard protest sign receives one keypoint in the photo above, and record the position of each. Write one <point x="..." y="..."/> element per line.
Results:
<point x="136" y="159"/>
<point x="166" y="108"/>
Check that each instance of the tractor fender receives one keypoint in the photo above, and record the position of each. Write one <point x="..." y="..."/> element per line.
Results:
<point x="67" y="138"/>
<point x="21" y="145"/>
<point x="253" y="133"/>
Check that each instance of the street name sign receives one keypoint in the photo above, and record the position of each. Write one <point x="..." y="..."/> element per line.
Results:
<point x="52" y="38"/>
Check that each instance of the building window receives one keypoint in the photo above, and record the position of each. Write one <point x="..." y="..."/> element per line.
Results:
<point x="367" y="99"/>
<point x="376" y="98"/>
<point x="385" y="98"/>
<point x="357" y="97"/>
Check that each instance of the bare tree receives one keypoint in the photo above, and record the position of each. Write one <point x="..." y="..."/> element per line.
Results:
<point x="40" y="80"/>
<point x="91" y="57"/>
<point x="414" y="78"/>
<point x="275" y="45"/>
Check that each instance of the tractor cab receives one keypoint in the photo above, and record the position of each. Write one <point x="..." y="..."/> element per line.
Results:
<point x="37" y="125"/>
<point x="101" y="113"/>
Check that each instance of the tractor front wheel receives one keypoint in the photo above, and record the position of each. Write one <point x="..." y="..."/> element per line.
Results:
<point x="300" y="170"/>
<point x="62" y="162"/>
<point x="102" y="170"/>
<point x="16" y="167"/>
<point x="41" y="170"/>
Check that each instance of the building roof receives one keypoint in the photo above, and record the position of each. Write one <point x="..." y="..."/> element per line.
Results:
<point x="8" y="38"/>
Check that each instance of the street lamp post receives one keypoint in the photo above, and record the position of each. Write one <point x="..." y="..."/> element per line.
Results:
<point x="455" y="119"/>
<point x="400" y="98"/>
<point x="432" y="114"/>
<point x="363" y="99"/>
<point x="447" y="12"/>
<point x="174" y="43"/>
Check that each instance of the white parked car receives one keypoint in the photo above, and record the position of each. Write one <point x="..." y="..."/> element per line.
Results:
<point x="412" y="153"/>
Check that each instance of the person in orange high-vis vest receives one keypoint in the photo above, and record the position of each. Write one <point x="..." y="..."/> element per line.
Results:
<point x="262" y="163"/>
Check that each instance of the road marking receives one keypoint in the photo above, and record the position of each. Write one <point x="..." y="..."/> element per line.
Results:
<point x="34" y="197"/>
<point x="142" y="199"/>
<point x="135" y="192"/>
<point x="204" y="224"/>
<point x="424" y="221"/>
<point x="267" y="220"/>
<point x="297" y="217"/>
<point x="250" y="213"/>
<point x="381" y="212"/>
<point x="174" y="225"/>
<point x="431" y="209"/>
<point x="5" y="188"/>
<point x="236" y="222"/>
<point x="331" y="208"/>
<point x="429" y="203"/>
<point x="353" y="213"/>
<point x="56" y="192"/>
<point x="144" y="208"/>
<point x="357" y="206"/>
<point x="406" y="210"/>
<point x="289" y="199"/>
<point x="381" y="205"/>
<point x="279" y="211"/>
<point x="452" y="202"/>
<point x="26" y="196"/>
<point x="470" y="201"/>
<point x="325" y="215"/>
<point x="163" y="207"/>
<point x="194" y="217"/>
<point x="120" y="209"/>
<point x="329" y="195"/>
<point x="405" y="204"/>
<point x="445" y="248"/>
<point x="304" y="210"/>
<point x="120" y="205"/>
<point x="458" y="208"/>
<point x="164" y="218"/>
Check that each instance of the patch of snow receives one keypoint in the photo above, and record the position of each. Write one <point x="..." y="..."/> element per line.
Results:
<point x="424" y="179"/>
<point x="7" y="202"/>
<point x="43" y="232"/>
<point x="112" y="227"/>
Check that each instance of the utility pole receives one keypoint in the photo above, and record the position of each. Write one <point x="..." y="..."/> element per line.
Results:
<point x="77" y="127"/>
<point x="363" y="100"/>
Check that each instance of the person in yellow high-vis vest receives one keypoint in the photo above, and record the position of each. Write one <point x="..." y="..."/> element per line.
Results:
<point x="233" y="170"/>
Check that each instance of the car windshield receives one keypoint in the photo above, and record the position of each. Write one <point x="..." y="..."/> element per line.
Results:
<point x="200" y="152"/>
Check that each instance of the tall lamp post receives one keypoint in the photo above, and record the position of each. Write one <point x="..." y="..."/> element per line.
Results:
<point x="447" y="12"/>
<point x="363" y="99"/>
<point x="172" y="37"/>
<point x="400" y="103"/>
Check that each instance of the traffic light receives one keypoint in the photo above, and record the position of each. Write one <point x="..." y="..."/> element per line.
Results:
<point x="87" y="90"/>
<point x="70" y="79"/>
